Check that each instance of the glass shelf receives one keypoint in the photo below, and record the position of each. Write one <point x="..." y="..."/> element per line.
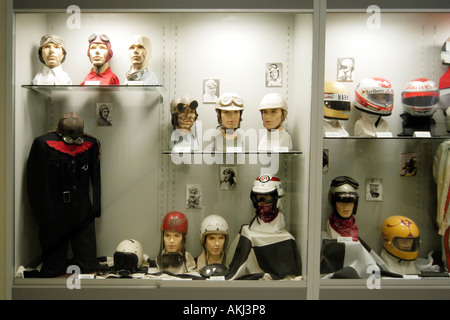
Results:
<point x="48" y="89"/>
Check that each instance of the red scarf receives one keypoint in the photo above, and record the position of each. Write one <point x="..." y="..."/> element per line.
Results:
<point x="345" y="227"/>
<point x="267" y="213"/>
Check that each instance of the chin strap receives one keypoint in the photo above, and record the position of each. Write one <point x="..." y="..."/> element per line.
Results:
<point x="377" y="122"/>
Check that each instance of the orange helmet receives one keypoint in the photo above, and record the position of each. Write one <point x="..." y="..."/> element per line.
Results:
<point x="401" y="237"/>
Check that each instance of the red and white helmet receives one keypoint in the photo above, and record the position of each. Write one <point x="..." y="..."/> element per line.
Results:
<point x="175" y="221"/>
<point x="420" y="97"/>
<point x="267" y="185"/>
<point x="375" y="95"/>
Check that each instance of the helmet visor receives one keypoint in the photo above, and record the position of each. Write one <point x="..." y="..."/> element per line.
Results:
<point x="420" y="101"/>
<point x="386" y="99"/>
<point x="407" y="244"/>
<point x="346" y="197"/>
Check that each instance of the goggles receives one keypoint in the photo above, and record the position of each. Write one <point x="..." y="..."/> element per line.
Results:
<point x="172" y="259"/>
<point x="51" y="38"/>
<point x="71" y="140"/>
<point x="103" y="38"/>
<point x="346" y="197"/>
<point x="228" y="101"/>
<point x="339" y="181"/>
<point x="215" y="269"/>
<point x="181" y="107"/>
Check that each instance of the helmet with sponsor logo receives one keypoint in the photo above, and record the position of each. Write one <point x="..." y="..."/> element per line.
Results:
<point x="401" y="237"/>
<point x="375" y="96"/>
<point x="420" y="97"/>
<point x="336" y="101"/>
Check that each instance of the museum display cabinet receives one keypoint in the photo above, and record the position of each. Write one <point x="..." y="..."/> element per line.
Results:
<point x="236" y="44"/>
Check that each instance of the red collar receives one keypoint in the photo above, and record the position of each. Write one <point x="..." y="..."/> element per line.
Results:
<point x="105" y="74"/>
<point x="70" y="149"/>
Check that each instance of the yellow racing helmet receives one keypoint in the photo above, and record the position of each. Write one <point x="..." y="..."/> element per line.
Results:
<point x="401" y="237"/>
<point x="336" y="101"/>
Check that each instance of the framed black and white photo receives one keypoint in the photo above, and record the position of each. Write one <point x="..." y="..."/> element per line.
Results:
<point x="194" y="196"/>
<point x="345" y="69"/>
<point x="211" y="90"/>
<point x="104" y="114"/>
<point x="374" y="189"/>
<point x="274" y="74"/>
<point x="228" y="178"/>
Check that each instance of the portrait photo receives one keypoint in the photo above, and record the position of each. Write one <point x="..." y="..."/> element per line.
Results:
<point x="211" y="90"/>
<point x="104" y="113"/>
<point x="274" y="74"/>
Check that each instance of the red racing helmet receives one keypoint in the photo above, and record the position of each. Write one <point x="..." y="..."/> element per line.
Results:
<point x="175" y="221"/>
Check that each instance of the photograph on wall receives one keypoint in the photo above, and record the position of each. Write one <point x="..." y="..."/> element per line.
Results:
<point x="211" y="90"/>
<point x="274" y="74"/>
<point x="228" y="178"/>
<point x="104" y="113"/>
<point x="325" y="154"/>
<point x="374" y="189"/>
<point x="194" y="195"/>
<point x="346" y="68"/>
<point x="408" y="163"/>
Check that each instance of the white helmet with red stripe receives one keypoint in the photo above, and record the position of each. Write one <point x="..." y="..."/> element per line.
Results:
<point x="420" y="97"/>
<point x="375" y="95"/>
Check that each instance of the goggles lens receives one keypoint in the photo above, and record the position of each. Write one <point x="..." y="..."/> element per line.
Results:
<point x="339" y="181"/>
<point x="228" y="101"/>
<point x="172" y="259"/>
<point x="51" y="38"/>
<point x="215" y="269"/>
<point x="103" y="37"/>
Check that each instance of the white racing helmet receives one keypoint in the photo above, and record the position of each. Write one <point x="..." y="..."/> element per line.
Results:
<point x="420" y="97"/>
<point x="273" y="101"/>
<point x="213" y="224"/>
<point x="343" y="189"/>
<point x="129" y="255"/>
<point x="375" y="96"/>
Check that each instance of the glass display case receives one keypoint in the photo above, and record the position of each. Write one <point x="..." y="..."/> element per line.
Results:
<point x="201" y="54"/>
<point x="393" y="156"/>
<point x="142" y="177"/>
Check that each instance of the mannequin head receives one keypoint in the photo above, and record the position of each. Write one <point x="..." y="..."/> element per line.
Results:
<point x="184" y="112"/>
<point x="51" y="51"/>
<point x="401" y="237"/>
<point x="99" y="51"/>
<point x="70" y="127"/>
<point x="229" y="110"/>
<point x="266" y="196"/>
<point x="214" y="234"/>
<point x="273" y="108"/>
<point x="140" y="52"/>
<point x="343" y="196"/>
<point x="173" y="241"/>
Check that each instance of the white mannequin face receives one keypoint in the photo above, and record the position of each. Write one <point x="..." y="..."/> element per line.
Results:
<point x="230" y="118"/>
<point x="52" y="55"/>
<point x="98" y="53"/>
<point x="272" y="118"/>
<point x="172" y="241"/>
<point x="137" y="55"/>
<point x="214" y="244"/>
<point x="345" y="209"/>
<point x="186" y="119"/>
